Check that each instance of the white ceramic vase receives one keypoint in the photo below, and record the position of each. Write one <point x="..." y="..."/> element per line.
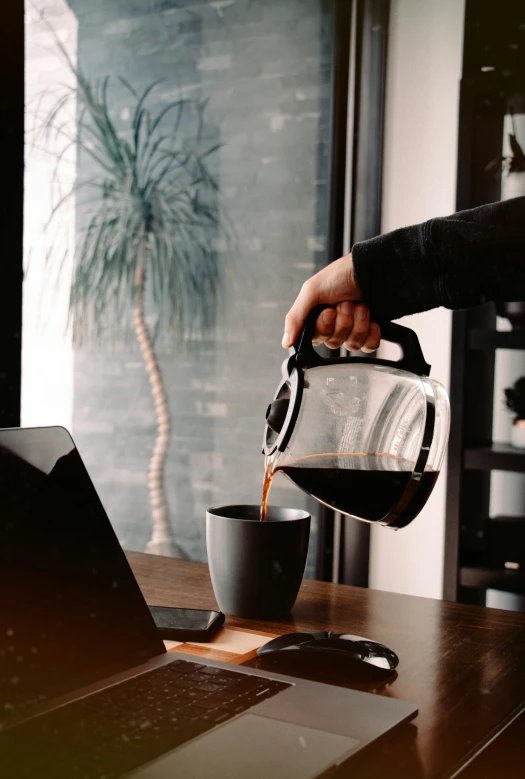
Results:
<point x="517" y="434"/>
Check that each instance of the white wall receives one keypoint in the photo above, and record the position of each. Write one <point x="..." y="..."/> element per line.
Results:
<point x="422" y="100"/>
<point x="47" y="353"/>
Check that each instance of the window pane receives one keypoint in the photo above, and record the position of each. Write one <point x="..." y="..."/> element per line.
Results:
<point x="251" y="82"/>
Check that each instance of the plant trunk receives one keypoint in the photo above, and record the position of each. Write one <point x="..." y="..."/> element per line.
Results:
<point x="161" y="541"/>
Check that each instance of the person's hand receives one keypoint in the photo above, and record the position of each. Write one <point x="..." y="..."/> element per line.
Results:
<point x="348" y="323"/>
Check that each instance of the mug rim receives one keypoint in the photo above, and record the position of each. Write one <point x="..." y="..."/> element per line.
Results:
<point x="217" y="512"/>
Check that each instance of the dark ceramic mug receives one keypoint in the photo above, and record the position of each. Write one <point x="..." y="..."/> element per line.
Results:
<point x="256" y="567"/>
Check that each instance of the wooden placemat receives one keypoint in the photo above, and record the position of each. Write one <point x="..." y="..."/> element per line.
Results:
<point x="231" y="645"/>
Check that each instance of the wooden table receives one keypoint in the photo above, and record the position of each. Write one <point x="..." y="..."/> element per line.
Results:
<point x="463" y="666"/>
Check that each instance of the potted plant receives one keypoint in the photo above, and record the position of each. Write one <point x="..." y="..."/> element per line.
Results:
<point x="144" y="262"/>
<point x="512" y="166"/>
<point x="515" y="401"/>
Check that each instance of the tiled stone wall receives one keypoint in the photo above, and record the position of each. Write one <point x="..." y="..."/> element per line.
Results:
<point x="265" y="67"/>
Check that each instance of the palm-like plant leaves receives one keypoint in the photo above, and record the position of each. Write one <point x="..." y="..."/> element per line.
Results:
<point x="154" y="207"/>
<point x="148" y="225"/>
<point x="515" y="163"/>
<point x="515" y="398"/>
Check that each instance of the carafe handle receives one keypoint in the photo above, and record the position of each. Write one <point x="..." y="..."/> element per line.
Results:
<point x="412" y="358"/>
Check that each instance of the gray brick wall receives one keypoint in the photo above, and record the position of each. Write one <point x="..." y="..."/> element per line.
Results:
<point x="265" y="67"/>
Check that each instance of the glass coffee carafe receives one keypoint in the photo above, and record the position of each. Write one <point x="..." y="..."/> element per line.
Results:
<point x="362" y="435"/>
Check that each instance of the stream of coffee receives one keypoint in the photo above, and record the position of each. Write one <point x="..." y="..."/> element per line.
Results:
<point x="338" y="481"/>
<point x="267" y="483"/>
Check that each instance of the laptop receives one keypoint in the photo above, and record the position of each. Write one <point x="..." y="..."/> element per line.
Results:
<point x="87" y="689"/>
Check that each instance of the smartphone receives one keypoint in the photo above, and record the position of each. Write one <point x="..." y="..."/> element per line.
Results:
<point x="186" y="624"/>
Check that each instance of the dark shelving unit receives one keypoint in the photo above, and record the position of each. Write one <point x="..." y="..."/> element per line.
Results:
<point x="495" y="578"/>
<point x="471" y="534"/>
<point x="500" y="565"/>
<point x="495" y="339"/>
<point x="496" y="457"/>
<point x="482" y="552"/>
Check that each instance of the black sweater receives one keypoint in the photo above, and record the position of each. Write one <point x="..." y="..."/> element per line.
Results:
<point x="456" y="261"/>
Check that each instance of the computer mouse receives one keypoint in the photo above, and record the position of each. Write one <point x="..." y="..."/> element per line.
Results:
<point x="342" y="646"/>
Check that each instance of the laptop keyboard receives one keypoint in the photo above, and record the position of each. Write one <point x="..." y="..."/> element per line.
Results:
<point x="111" y="732"/>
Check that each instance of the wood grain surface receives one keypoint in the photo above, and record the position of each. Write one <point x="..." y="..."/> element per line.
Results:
<point x="463" y="666"/>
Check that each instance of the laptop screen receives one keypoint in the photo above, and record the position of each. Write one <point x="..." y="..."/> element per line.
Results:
<point x="70" y="609"/>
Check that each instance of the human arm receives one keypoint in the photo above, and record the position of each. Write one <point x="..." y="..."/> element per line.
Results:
<point x="458" y="261"/>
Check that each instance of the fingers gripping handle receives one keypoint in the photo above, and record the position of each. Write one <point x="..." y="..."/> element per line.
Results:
<point x="303" y="348"/>
<point x="411" y="360"/>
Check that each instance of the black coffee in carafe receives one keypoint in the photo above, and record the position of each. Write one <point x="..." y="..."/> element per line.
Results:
<point x="348" y="484"/>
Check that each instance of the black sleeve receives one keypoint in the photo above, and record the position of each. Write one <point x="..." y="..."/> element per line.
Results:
<point x="456" y="261"/>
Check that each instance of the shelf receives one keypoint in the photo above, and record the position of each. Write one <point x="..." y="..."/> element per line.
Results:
<point x="495" y="339"/>
<point x="502" y="520"/>
<point x="497" y="457"/>
<point x="494" y="578"/>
